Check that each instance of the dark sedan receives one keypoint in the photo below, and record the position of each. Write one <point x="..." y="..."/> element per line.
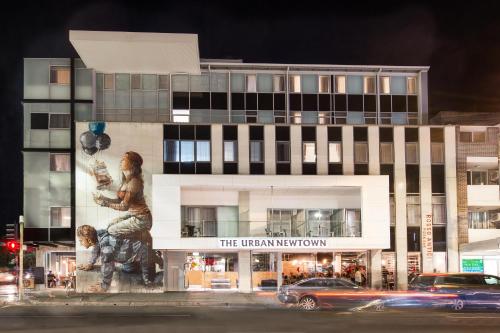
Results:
<point x="310" y="294"/>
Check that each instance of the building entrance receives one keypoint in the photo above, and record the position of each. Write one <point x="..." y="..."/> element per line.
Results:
<point x="211" y="271"/>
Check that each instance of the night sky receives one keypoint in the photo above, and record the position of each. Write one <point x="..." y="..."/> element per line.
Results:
<point x="460" y="42"/>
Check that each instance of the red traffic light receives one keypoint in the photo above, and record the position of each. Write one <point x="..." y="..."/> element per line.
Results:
<point x="13" y="246"/>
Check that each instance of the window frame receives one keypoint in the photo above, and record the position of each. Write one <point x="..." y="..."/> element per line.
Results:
<point x="288" y="150"/>
<point x="384" y="144"/>
<point x="235" y="151"/>
<point x="327" y="79"/>
<point x="50" y="217"/>
<point x="57" y="83"/>
<point x="262" y="154"/>
<point x="339" y="144"/>
<point x="59" y="128"/>
<point x="304" y="144"/>
<point x="358" y="143"/>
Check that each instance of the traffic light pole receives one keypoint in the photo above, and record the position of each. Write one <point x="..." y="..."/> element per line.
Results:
<point x="21" y="257"/>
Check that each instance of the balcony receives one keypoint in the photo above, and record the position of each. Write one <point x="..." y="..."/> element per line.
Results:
<point x="313" y="228"/>
<point x="483" y="196"/>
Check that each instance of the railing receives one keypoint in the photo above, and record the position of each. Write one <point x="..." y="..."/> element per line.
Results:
<point x="210" y="228"/>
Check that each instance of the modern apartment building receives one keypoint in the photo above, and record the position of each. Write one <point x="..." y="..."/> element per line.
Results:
<point x="255" y="174"/>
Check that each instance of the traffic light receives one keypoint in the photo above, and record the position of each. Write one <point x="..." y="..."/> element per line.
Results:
<point x="11" y="231"/>
<point x="13" y="246"/>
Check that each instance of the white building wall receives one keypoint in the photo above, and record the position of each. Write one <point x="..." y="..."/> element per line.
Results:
<point x="295" y="150"/>
<point x="322" y="150"/>
<point x="270" y="150"/>
<point x="217" y="148"/>
<point x="424" y="138"/>
<point x="243" y="150"/>
<point x="348" y="150"/>
<point x="450" y="158"/>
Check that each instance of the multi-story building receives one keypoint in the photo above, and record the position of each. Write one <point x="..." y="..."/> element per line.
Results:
<point x="256" y="174"/>
<point x="478" y="189"/>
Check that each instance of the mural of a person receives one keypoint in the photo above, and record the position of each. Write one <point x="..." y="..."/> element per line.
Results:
<point x="130" y="198"/>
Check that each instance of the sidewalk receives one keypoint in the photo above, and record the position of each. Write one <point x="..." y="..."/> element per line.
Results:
<point x="178" y="299"/>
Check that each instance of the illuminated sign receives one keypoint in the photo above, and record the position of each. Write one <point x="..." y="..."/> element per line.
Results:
<point x="272" y="243"/>
<point x="472" y="265"/>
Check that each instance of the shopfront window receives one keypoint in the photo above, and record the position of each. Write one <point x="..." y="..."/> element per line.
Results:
<point x="299" y="266"/>
<point x="264" y="271"/>
<point x="211" y="271"/>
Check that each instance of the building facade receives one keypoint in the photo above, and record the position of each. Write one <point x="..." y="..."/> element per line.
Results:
<point x="255" y="174"/>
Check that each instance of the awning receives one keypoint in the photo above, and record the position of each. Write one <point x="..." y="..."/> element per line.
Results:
<point x="137" y="52"/>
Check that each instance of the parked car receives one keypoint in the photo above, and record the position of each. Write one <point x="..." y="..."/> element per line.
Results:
<point x="473" y="290"/>
<point x="310" y="294"/>
<point x="7" y="277"/>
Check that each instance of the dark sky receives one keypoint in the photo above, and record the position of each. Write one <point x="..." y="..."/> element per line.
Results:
<point x="461" y="43"/>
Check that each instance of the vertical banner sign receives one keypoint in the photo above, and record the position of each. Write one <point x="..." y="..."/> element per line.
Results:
<point x="427" y="238"/>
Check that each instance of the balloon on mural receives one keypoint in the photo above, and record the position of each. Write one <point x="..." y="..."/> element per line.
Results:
<point x="97" y="127"/>
<point x="90" y="151"/>
<point x="103" y="141"/>
<point x="88" y="139"/>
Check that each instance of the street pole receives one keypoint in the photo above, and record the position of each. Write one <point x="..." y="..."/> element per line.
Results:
<point x="21" y="257"/>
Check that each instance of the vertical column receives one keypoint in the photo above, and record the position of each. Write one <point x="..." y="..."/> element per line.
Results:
<point x="296" y="149"/>
<point x="245" y="271"/>
<point x="423" y="97"/>
<point x="338" y="262"/>
<point x="376" y="268"/>
<point x="175" y="270"/>
<point x="269" y="150"/>
<point x="400" y="201"/>
<point x="424" y="139"/>
<point x="279" y="269"/>
<point x="322" y="150"/>
<point x="217" y="149"/>
<point x="348" y="150"/>
<point x="451" y="198"/>
<point x="243" y="150"/>
<point x="244" y="213"/>
<point x="373" y="150"/>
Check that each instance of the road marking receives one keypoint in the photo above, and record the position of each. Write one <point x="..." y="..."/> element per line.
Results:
<point x="344" y="313"/>
<point x="473" y="317"/>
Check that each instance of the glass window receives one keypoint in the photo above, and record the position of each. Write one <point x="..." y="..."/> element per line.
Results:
<point x="136" y="81"/>
<point x="491" y="280"/>
<point x="385" y="85"/>
<point x="479" y="137"/>
<point x="294" y="82"/>
<point x="230" y="151"/>
<point x="122" y="81"/>
<point x="411" y="153"/>
<point x="163" y="82"/>
<point x="398" y="85"/>
<point x="438" y="210"/>
<point x="335" y="152"/>
<point x="360" y="152"/>
<point x="465" y="136"/>
<point x="60" y="120"/>
<point x="171" y="151"/>
<point x="109" y="81"/>
<point x="203" y="151"/>
<point x="354" y="84"/>
<point x="482" y="220"/>
<point x="369" y="85"/>
<point x="324" y="83"/>
<point x="60" y="162"/>
<point x="309" y="152"/>
<point x="180" y="116"/>
<point x="340" y="87"/>
<point x="278" y="83"/>
<point x="311" y="283"/>
<point x="282" y="151"/>
<point x="437" y="152"/>
<point x="256" y="151"/>
<point x="187" y="151"/>
<point x="251" y="81"/>
<point x="413" y="217"/>
<point x="39" y="121"/>
<point x="386" y="153"/>
<point x="60" y="217"/>
<point x="60" y="75"/>
<point x="411" y="85"/>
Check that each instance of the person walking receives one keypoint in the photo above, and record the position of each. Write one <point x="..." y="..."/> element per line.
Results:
<point x="358" y="277"/>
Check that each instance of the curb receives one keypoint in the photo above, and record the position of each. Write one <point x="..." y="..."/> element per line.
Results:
<point x="145" y="303"/>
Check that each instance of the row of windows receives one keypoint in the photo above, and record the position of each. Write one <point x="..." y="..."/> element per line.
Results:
<point x="132" y="82"/>
<point x="305" y="83"/>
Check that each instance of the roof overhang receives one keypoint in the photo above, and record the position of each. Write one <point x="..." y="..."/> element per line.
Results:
<point x="137" y="52"/>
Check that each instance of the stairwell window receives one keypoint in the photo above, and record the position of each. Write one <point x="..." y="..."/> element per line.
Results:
<point x="60" y="75"/>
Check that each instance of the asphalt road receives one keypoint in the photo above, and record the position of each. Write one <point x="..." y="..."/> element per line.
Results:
<point x="201" y="320"/>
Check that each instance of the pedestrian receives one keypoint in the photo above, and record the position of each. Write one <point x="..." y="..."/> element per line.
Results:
<point x="358" y="277"/>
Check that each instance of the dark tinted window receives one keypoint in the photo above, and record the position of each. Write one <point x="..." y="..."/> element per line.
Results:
<point x="385" y="103"/>
<point x="265" y="101"/>
<point x="295" y="102"/>
<point x="355" y="102"/>
<point x="200" y="100"/>
<point x="386" y="134"/>
<point x="39" y="121"/>
<point x="370" y="103"/>
<point x="437" y="178"/>
<point x="340" y="103"/>
<point x="219" y="101"/>
<point x="412" y="179"/>
<point x="424" y="281"/>
<point x="311" y="283"/>
<point x="279" y="101"/>
<point x="335" y="133"/>
<point x="251" y="101"/>
<point x="398" y="103"/>
<point x="459" y="279"/>
<point x="411" y="134"/>
<point x="413" y="237"/>
<point x="238" y="101"/>
<point x="180" y="100"/>
<point x="310" y="102"/>
<point x="361" y="134"/>
<point x="324" y="102"/>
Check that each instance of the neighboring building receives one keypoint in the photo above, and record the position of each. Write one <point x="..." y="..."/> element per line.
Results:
<point x="255" y="173"/>
<point x="478" y="189"/>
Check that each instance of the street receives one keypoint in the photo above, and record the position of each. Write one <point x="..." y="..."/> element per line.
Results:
<point x="184" y="319"/>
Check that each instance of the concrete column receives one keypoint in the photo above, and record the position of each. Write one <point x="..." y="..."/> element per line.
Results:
<point x="175" y="270"/>
<point x="217" y="149"/>
<point x="245" y="271"/>
<point x="322" y="150"/>
<point x="243" y="150"/>
<point x="338" y="263"/>
<point x="373" y="150"/>
<point x="279" y="269"/>
<point x="376" y="268"/>
<point x="296" y="149"/>
<point x="400" y="201"/>
<point x="269" y="149"/>
<point x="424" y="138"/>
<point x="348" y="150"/>
<point x="451" y="198"/>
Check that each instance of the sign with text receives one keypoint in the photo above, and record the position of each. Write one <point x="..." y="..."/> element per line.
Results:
<point x="272" y="243"/>
<point x="427" y="237"/>
<point x="472" y="265"/>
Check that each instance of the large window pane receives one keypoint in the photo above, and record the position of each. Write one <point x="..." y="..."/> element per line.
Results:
<point x="335" y="152"/>
<point x="203" y="151"/>
<point x="438" y="210"/>
<point x="60" y="162"/>
<point x="294" y="83"/>
<point x="437" y="152"/>
<point x="360" y="152"/>
<point x="413" y="210"/>
<point x="278" y="83"/>
<point x="251" y="81"/>
<point x="386" y="153"/>
<point x="187" y="151"/>
<point x="411" y="153"/>
<point x="340" y="87"/>
<point x="385" y="85"/>
<point x="60" y="217"/>
<point x="369" y="85"/>
<point x="61" y="120"/>
<point x="230" y="151"/>
<point x="283" y="152"/>
<point x="309" y="152"/>
<point x="324" y="83"/>
<point x="171" y="153"/>
<point x="256" y="151"/>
